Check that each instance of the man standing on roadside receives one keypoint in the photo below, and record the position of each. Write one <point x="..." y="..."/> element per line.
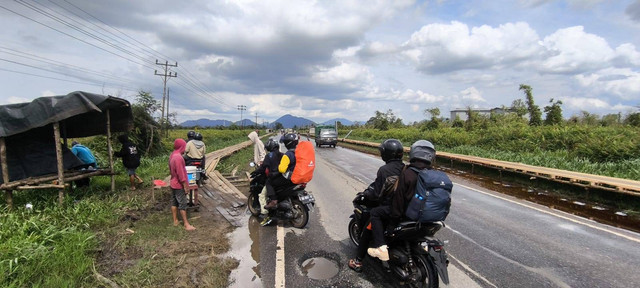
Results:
<point x="179" y="184"/>
<point x="258" y="148"/>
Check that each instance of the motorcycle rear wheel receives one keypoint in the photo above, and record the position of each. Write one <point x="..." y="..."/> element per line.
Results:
<point x="429" y="277"/>
<point x="354" y="232"/>
<point x="255" y="210"/>
<point x="301" y="214"/>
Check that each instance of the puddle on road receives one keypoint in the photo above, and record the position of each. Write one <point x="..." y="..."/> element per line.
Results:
<point x="319" y="268"/>
<point x="555" y="199"/>
<point x="246" y="248"/>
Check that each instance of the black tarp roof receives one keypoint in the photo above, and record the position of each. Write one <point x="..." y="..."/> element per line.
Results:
<point x="28" y="129"/>
<point x="80" y="114"/>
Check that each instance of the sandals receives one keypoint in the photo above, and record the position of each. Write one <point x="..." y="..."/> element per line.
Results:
<point x="356" y="265"/>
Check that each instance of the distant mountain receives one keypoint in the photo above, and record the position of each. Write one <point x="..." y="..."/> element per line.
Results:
<point x="289" y="121"/>
<point x="246" y="122"/>
<point x="206" y="123"/>
<point x="341" y="120"/>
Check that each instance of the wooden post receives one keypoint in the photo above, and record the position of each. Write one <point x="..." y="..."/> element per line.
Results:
<point x="110" y="149"/>
<point x="5" y="173"/>
<point x="56" y="138"/>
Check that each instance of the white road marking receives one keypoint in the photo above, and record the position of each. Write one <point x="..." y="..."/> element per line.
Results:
<point x="279" y="277"/>
<point x="468" y="269"/>
<point x="555" y="214"/>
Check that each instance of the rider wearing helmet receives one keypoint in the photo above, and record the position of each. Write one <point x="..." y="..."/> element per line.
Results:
<point x="270" y="168"/>
<point x="285" y="168"/>
<point x="421" y="156"/>
<point x="195" y="150"/>
<point x="379" y="192"/>
<point x="190" y="135"/>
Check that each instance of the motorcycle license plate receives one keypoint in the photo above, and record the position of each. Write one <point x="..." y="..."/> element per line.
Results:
<point x="306" y="198"/>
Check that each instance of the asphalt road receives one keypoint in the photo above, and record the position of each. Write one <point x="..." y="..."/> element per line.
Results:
<point x="494" y="240"/>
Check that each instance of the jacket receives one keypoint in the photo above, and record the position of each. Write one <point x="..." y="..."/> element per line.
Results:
<point x="177" y="168"/>
<point x="270" y="164"/>
<point x="130" y="155"/>
<point x="195" y="149"/>
<point x="374" y="191"/>
<point x="258" y="147"/>
<point x="405" y="191"/>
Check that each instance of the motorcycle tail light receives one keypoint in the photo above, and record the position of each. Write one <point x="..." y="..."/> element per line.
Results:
<point x="438" y="248"/>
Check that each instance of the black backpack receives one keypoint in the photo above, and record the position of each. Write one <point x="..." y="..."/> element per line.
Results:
<point x="432" y="198"/>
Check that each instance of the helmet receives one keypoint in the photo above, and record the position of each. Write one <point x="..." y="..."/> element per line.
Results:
<point x="272" y="145"/>
<point x="391" y="149"/>
<point x="290" y="140"/>
<point x="198" y="136"/>
<point x="191" y="134"/>
<point x="422" y="150"/>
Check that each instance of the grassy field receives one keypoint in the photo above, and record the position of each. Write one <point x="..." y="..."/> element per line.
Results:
<point x="90" y="234"/>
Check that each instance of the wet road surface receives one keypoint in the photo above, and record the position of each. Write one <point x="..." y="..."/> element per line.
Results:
<point x="495" y="240"/>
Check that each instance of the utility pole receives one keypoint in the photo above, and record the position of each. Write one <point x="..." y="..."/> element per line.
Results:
<point x="165" y="77"/>
<point x="257" y="120"/>
<point x="167" y="132"/>
<point x="242" y="108"/>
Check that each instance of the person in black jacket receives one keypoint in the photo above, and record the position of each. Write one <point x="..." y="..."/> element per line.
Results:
<point x="130" y="159"/>
<point x="269" y="167"/>
<point x="421" y="156"/>
<point x="379" y="192"/>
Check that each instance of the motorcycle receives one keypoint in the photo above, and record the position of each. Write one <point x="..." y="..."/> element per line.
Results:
<point x="416" y="257"/>
<point x="294" y="203"/>
<point x="192" y="196"/>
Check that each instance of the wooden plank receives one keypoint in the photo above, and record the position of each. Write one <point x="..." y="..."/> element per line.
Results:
<point x="56" y="137"/>
<point x="619" y="185"/>
<point x="5" y="173"/>
<point x="233" y="188"/>
<point x="110" y="152"/>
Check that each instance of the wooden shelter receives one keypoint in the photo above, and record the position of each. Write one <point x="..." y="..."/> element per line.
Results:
<point x="33" y="139"/>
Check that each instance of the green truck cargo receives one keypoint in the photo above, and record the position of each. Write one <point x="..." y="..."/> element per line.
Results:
<point x="326" y="135"/>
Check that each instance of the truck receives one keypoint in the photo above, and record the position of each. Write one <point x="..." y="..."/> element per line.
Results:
<point x="326" y="135"/>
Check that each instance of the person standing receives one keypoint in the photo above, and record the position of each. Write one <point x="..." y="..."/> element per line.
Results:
<point x="258" y="148"/>
<point x="130" y="159"/>
<point x="179" y="184"/>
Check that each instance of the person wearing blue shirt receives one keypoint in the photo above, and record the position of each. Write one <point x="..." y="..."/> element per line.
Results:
<point x="89" y="161"/>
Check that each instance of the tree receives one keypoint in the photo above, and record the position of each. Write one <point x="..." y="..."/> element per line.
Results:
<point x="145" y="128"/>
<point x="611" y="120"/>
<point x="278" y="126"/>
<point x="535" y="115"/>
<point x="435" y="122"/>
<point x="633" y="119"/>
<point x="384" y="121"/>
<point x="554" y="113"/>
<point x="518" y="107"/>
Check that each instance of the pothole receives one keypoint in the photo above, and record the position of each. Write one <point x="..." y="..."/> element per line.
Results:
<point x="320" y="268"/>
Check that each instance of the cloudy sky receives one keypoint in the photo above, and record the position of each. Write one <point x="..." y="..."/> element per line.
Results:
<point x="326" y="59"/>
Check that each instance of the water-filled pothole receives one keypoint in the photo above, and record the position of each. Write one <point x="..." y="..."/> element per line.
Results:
<point x="319" y="268"/>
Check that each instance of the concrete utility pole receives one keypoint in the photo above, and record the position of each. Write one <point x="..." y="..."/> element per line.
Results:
<point x="242" y="108"/>
<point x="165" y="77"/>
<point x="257" y="119"/>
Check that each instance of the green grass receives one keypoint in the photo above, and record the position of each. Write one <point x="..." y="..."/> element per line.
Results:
<point x="55" y="246"/>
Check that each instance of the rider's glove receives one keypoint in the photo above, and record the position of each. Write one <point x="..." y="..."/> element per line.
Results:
<point x="360" y="199"/>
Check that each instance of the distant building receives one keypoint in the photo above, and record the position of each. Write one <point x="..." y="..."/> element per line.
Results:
<point x="462" y="113"/>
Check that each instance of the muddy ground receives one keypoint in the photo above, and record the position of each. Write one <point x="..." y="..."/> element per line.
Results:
<point x="146" y="250"/>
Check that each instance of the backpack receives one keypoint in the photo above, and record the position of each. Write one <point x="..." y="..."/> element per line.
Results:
<point x="305" y="156"/>
<point x="432" y="197"/>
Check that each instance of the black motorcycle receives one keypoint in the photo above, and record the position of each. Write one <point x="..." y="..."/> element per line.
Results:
<point x="416" y="257"/>
<point x="294" y="203"/>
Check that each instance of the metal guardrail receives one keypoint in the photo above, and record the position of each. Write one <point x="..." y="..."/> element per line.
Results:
<point x="625" y="186"/>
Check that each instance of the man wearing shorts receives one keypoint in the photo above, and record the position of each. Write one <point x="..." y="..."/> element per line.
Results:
<point x="130" y="159"/>
<point x="179" y="184"/>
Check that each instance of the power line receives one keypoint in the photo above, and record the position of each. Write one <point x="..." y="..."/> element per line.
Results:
<point x="242" y="108"/>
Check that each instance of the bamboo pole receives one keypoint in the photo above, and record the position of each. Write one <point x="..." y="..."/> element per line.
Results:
<point x="5" y="173"/>
<point x="110" y="149"/>
<point x="56" y="137"/>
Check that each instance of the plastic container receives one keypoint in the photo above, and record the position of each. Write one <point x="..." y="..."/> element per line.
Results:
<point x="191" y="175"/>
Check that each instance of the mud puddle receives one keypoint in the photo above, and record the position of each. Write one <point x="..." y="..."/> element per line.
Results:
<point x="319" y="268"/>
<point x="246" y="248"/>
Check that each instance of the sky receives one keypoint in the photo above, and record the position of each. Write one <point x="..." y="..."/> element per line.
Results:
<point x="326" y="59"/>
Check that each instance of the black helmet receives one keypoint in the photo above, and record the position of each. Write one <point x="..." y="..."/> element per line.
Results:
<point x="290" y="140"/>
<point x="191" y="134"/>
<point x="272" y="145"/>
<point x="423" y="150"/>
<point x="198" y="136"/>
<point x="391" y="149"/>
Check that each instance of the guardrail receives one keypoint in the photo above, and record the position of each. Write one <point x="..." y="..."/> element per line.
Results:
<point x="625" y="186"/>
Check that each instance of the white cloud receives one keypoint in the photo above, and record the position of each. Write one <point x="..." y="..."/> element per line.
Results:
<point x="349" y="74"/>
<point x="472" y="94"/>
<point x="447" y="47"/>
<point x="623" y="83"/>
<point x="572" y="50"/>
<point x="593" y="105"/>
